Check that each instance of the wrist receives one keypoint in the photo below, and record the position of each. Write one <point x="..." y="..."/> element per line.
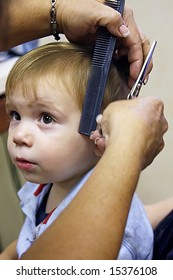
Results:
<point x="59" y="9"/>
<point x="53" y="20"/>
<point x="128" y="146"/>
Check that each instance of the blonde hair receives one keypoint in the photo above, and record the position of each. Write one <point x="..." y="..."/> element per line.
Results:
<point x="60" y="61"/>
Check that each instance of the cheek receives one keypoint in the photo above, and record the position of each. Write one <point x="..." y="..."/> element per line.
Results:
<point x="71" y="149"/>
<point x="83" y="149"/>
<point x="67" y="152"/>
<point x="9" y="144"/>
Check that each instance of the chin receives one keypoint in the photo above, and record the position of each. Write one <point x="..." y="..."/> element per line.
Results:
<point x="33" y="179"/>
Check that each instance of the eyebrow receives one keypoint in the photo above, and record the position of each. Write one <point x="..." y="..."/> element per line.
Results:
<point x="46" y="105"/>
<point x="35" y="104"/>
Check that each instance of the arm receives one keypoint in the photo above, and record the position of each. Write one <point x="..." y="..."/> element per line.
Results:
<point x="92" y="226"/>
<point x="10" y="252"/>
<point x="24" y="21"/>
<point x="93" y="223"/>
<point x="78" y="20"/>
<point x="75" y="18"/>
<point x="158" y="211"/>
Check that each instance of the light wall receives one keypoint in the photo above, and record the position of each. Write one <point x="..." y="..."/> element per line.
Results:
<point x="156" y="20"/>
<point x="11" y="217"/>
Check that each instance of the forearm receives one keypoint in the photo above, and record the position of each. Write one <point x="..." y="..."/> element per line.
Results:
<point x="10" y="252"/>
<point x="92" y="226"/>
<point x="25" y="21"/>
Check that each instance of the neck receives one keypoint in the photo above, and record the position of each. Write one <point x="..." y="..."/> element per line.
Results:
<point x="58" y="192"/>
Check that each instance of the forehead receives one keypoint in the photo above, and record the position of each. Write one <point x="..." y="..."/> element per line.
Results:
<point x="33" y="87"/>
<point x="42" y="89"/>
<point x="45" y="99"/>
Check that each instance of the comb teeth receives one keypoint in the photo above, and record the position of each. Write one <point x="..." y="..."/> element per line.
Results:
<point x="115" y="4"/>
<point x="102" y="48"/>
<point x="105" y="41"/>
<point x="102" y="57"/>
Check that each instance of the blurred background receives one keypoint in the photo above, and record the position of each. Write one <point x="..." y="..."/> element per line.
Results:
<point x="155" y="19"/>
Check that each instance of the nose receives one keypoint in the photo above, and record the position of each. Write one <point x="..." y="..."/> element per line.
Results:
<point x="23" y="135"/>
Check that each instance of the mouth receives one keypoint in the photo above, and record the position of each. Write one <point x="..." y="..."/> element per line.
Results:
<point x="24" y="164"/>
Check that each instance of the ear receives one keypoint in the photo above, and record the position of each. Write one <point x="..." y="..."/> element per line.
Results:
<point x="99" y="142"/>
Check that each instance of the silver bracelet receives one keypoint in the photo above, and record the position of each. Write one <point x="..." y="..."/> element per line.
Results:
<point x="53" y="22"/>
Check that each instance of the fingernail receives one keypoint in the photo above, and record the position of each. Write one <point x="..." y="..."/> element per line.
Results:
<point x="146" y="80"/>
<point x="124" y="30"/>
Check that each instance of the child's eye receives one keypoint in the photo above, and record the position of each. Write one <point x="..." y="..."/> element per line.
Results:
<point x="47" y="119"/>
<point x="15" y="116"/>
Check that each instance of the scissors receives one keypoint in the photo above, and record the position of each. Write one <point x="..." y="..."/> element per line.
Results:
<point x="141" y="77"/>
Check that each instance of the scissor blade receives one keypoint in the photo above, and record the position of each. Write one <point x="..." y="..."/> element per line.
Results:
<point x="141" y="77"/>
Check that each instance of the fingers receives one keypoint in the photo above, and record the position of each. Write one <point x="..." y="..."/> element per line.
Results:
<point x="141" y="120"/>
<point x="79" y="21"/>
<point x="134" y="43"/>
<point x="97" y="137"/>
<point x="157" y="127"/>
<point x="113" y="21"/>
<point x="99" y="142"/>
<point x="136" y="46"/>
<point x="145" y="48"/>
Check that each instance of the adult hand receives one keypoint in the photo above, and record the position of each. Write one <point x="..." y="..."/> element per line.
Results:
<point x="139" y="123"/>
<point x="79" y="21"/>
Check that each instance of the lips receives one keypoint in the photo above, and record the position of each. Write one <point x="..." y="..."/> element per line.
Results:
<point x="24" y="164"/>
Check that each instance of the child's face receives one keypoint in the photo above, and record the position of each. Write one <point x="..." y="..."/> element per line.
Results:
<point x="43" y="140"/>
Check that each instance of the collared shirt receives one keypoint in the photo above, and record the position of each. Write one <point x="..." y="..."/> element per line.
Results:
<point x="137" y="243"/>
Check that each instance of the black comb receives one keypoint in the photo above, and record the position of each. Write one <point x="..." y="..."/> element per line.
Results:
<point x="102" y="56"/>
